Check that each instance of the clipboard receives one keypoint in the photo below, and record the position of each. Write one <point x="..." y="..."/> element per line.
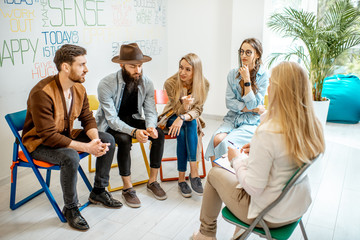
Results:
<point x="223" y="162"/>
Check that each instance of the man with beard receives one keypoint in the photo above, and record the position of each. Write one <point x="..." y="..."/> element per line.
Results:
<point x="123" y="96"/>
<point x="53" y="105"/>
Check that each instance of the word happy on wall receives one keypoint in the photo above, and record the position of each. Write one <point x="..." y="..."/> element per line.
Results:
<point x="36" y="29"/>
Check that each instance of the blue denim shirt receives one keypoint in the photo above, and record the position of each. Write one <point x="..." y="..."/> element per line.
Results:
<point x="235" y="103"/>
<point x="110" y="93"/>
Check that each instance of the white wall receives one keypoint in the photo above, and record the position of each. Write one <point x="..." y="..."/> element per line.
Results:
<point x="202" y="27"/>
<point x="214" y="30"/>
<point x="247" y="21"/>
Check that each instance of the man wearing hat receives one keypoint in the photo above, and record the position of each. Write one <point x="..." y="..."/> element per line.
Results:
<point x="124" y="96"/>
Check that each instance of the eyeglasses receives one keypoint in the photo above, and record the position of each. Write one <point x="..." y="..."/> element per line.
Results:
<point x="247" y="52"/>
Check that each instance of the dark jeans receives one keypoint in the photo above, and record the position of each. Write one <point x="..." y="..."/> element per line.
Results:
<point x="124" y="142"/>
<point x="69" y="159"/>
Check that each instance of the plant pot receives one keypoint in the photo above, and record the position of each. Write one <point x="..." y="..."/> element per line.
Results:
<point x="321" y="109"/>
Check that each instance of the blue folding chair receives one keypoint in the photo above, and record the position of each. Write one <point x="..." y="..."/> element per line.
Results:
<point x="23" y="159"/>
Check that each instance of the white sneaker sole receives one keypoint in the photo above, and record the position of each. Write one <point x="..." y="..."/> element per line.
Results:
<point x="185" y="195"/>
<point x="132" y="205"/>
<point x="156" y="196"/>
<point x="197" y="193"/>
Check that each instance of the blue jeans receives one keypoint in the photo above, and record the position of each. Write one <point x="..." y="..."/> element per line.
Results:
<point x="69" y="160"/>
<point x="187" y="141"/>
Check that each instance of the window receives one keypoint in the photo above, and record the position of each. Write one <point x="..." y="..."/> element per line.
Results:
<point x="274" y="43"/>
<point x="348" y="62"/>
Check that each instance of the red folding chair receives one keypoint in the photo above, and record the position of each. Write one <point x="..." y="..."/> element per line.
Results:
<point x="161" y="97"/>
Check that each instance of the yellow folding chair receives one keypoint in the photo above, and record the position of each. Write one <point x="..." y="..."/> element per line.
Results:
<point x="266" y="101"/>
<point x="94" y="105"/>
<point x="146" y="161"/>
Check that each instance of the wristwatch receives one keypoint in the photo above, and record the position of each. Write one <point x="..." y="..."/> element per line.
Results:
<point x="182" y="117"/>
<point x="247" y="84"/>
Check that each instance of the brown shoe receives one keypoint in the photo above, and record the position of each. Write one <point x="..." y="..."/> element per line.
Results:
<point x="156" y="189"/>
<point x="130" y="198"/>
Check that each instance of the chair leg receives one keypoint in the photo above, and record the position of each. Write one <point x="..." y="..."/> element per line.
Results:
<point x="91" y="169"/>
<point x="48" y="177"/>
<point x="88" y="185"/>
<point x="146" y="161"/>
<point x="238" y="233"/>
<point x="45" y="188"/>
<point x="49" y="194"/>
<point x="13" y="188"/>
<point x="13" y="204"/>
<point x="303" y="230"/>
<point x="244" y="235"/>
<point x="203" y="164"/>
<point x="266" y="229"/>
<point x="164" y="179"/>
<point x="84" y="177"/>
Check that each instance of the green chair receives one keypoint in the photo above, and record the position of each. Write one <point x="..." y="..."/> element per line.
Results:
<point x="281" y="233"/>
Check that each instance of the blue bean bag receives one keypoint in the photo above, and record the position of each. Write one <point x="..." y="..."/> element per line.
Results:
<point x="344" y="94"/>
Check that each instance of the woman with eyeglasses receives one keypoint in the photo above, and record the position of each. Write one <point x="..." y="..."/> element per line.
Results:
<point x="246" y="88"/>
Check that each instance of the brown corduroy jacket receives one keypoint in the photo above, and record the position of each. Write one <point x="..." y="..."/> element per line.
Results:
<point x="47" y="121"/>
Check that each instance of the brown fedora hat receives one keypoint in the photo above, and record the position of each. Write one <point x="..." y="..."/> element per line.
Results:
<point x="130" y="54"/>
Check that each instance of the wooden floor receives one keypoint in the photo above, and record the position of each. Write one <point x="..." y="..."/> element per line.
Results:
<point x="334" y="213"/>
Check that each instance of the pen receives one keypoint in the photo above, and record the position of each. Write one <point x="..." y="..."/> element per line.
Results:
<point x="233" y="144"/>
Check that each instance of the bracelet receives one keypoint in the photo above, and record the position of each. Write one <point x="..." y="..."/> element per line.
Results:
<point x="182" y="117"/>
<point x="134" y="133"/>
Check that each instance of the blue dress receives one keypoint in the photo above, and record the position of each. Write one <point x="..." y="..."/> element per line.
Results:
<point x="240" y="126"/>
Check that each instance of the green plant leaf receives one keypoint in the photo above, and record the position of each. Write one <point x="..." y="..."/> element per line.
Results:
<point x="325" y="38"/>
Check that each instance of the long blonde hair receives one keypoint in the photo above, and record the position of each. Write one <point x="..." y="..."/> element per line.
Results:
<point x="290" y="105"/>
<point x="199" y="92"/>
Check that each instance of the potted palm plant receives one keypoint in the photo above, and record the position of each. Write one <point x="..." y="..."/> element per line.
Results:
<point x="325" y="38"/>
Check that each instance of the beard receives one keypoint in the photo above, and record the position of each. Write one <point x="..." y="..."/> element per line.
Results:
<point x="131" y="82"/>
<point x="76" y="78"/>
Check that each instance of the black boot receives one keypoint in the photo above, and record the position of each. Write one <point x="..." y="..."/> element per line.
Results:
<point x="75" y="219"/>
